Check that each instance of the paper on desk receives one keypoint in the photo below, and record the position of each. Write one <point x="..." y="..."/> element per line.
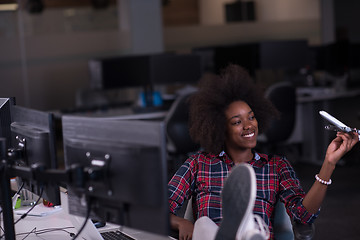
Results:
<point x="39" y="210"/>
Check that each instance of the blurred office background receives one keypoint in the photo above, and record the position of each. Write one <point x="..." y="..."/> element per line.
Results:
<point x="46" y="47"/>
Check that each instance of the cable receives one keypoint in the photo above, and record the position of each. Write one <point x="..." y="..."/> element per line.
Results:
<point x="47" y="230"/>
<point x="27" y="234"/>
<point x="2" y="230"/>
<point x="44" y="231"/>
<point x="86" y="219"/>
<point x="32" y="207"/>
<point x="18" y="191"/>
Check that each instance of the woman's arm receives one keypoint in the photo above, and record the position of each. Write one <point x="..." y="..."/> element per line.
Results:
<point x="179" y="189"/>
<point x="342" y="144"/>
<point x="185" y="227"/>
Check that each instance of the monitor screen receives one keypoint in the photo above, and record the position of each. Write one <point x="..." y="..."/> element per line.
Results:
<point x="245" y="55"/>
<point x="33" y="144"/>
<point x="119" y="72"/>
<point x="279" y="54"/>
<point x="125" y="180"/>
<point x="283" y="54"/>
<point x="168" y="69"/>
<point x="144" y="70"/>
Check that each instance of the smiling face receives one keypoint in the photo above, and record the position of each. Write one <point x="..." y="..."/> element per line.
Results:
<point x="241" y="127"/>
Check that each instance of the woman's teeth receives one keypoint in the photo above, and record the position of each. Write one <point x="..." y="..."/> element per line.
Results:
<point x="249" y="135"/>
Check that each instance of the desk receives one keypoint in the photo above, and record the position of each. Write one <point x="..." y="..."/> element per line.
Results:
<point x="120" y="113"/>
<point x="59" y="226"/>
<point x="138" y="116"/>
<point x="58" y="220"/>
<point x="309" y="124"/>
<point x="307" y="94"/>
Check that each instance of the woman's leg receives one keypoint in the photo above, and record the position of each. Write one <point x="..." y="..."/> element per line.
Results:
<point x="204" y="229"/>
<point x="239" y="222"/>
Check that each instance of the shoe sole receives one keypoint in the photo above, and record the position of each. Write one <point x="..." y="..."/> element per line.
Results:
<point x="238" y="197"/>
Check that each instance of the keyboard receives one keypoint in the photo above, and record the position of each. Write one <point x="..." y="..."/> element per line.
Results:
<point x="115" y="235"/>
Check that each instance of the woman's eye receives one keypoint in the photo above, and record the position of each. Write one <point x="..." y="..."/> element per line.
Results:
<point x="252" y="118"/>
<point x="236" y="123"/>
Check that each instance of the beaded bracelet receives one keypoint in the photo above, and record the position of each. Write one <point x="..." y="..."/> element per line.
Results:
<point x="322" y="181"/>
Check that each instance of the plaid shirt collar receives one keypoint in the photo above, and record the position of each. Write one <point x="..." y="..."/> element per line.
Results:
<point x="257" y="161"/>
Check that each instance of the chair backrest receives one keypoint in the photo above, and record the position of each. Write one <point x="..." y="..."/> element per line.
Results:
<point x="283" y="96"/>
<point x="282" y="227"/>
<point x="177" y="126"/>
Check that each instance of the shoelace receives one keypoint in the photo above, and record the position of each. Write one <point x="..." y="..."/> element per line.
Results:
<point x="262" y="226"/>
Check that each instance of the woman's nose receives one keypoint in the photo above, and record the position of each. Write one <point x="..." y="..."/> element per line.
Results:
<point x="247" y="125"/>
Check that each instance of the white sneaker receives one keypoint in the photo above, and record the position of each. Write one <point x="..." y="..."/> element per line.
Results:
<point x="238" y="197"/>
<point x="256" y="229"/>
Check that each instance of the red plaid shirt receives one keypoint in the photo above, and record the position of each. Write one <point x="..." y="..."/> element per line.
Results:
<point x="202" y="176"/>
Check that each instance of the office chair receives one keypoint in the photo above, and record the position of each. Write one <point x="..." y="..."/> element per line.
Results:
<point x="283" y="96"/>
<point x="180" y="143"/>
<point x="275" y="139"/>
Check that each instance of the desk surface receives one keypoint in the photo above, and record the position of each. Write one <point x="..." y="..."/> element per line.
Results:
<point x="322" y="94"/>
<point x="118" y="113"/>
<point x="54" y="226"/>
<point x="58" y="226"/>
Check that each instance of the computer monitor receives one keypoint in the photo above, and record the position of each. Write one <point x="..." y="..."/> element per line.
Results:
<point x="5" y="120"/>
<point x="33" y="145"/>
<point x="126" y="175"/>
<point x="245" y="55"/>
<point x="144" y="70"/>
<point x="170" y="69"/>
<point x="276" y="55"/>
<point x="119" y="72"/>
<point x="283" y="54"/>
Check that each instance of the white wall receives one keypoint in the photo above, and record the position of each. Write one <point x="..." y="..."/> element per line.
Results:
<point x="284" y="10"/>
<point x="275" y="20"/>
<point x="212" y="12"/>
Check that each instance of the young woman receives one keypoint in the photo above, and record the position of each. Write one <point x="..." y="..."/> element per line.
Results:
<point x="226" y="115"/>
